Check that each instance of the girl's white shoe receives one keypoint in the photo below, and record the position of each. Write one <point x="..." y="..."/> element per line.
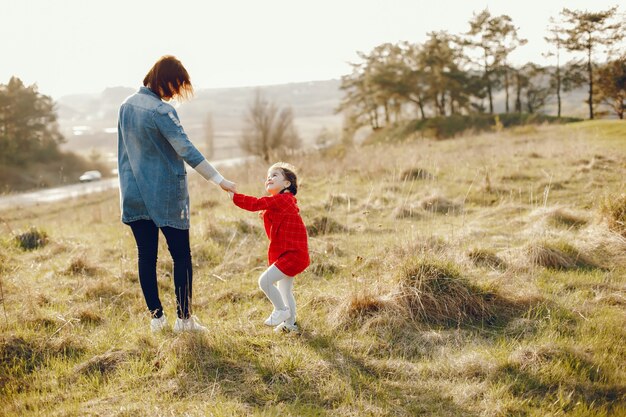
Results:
<point x="189" y="325"/>
<point x="285" y="327"/>
<point x="277" y="317"/>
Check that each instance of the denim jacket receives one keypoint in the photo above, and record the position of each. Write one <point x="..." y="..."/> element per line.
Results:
<point x="152" y="146"/>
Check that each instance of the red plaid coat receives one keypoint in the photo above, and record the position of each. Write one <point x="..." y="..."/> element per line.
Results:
<point x="288" y="248"/>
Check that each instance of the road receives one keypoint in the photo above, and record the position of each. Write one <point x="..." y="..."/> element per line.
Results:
<point x="50" y="195"/>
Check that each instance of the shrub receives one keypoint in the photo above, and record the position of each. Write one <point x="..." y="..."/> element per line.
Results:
<point x="32" y="239"/>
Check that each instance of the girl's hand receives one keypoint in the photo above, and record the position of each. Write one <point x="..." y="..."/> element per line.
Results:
<point x="228" y="186"/>
<point x="261" y="213"/>
<point x="230" y="194"/>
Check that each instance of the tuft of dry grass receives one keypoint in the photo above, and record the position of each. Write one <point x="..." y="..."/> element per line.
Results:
<point x="566" y="219"/>
<point x="407" y="212"/>
<point x="338" y="200"/>
<point x="323" y="225"/>
<point x="439" y="204"/>
<point x="357" y="308"/>
<point x="32" y="239"/>
<point x="79" y="266"/>
<point x="613" y="209"/>
<point x="433" y="291"/>
<point x="323" y="267"/>
<point x="18" y="356"/>
<point x="557" y="255"/>
<point x="516" y="176"/>
<point x="102" y="290"/>
<point x="103" y="364"/>
<point x="248" y="227"/>
<point x="486" y="257"/>
<point x="89" y="315"/>
<point x="413" y="174"/>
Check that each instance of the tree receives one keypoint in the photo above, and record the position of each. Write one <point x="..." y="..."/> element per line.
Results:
<point x="538" y="89"/>
<point x="587" y="32"/>
<point x="377" y="84"/>
<point x="28" y="128"/>
<point x="443" y="78"/>
<point x="556" y="38"/>
<point x="611" y="83"/>
<point x="495" y="37"/>
<point x="268" y="128"/>
<point x="358" y="102"/>
<point x="509" y="41"/>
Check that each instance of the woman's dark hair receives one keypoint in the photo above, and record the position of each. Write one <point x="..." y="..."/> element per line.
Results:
<point x="291" y="177"/>
<point x="168" y="78"/>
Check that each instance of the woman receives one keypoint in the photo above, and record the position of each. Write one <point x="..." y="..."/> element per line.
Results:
<point x="152" y="149"/>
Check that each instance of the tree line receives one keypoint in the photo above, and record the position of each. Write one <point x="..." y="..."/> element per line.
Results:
<point x="28" y="125"/>
<point x="453" y="74"/>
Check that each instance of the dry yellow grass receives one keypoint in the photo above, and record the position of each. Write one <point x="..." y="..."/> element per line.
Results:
<point x="508" y="302"/>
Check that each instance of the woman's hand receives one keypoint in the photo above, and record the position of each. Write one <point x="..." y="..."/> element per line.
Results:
<point x="228" y="186"/>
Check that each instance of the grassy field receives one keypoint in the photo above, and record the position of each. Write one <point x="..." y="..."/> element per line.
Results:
<point x="480" y="276"/>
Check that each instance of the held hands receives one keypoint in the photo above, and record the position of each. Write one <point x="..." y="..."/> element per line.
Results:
<point x="228" y="186"/>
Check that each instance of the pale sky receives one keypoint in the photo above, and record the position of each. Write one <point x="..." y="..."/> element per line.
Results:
<point x="85" y="46"/>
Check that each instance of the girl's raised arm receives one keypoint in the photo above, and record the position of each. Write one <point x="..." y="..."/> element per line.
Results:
<point x="249" y="203"/>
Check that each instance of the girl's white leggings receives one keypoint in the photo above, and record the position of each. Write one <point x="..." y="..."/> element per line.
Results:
<point x="281" y="297"/>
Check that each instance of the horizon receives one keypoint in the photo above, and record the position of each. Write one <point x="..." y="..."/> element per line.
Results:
<point x="236" y="45"/>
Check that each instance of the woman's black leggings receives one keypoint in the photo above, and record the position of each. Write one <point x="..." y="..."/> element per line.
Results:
<point x="147" y="237"/>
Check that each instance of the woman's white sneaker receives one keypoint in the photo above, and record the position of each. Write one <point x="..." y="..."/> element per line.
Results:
<point x="189" y="325"/>
<point x="277" y="317"/>
<point x="157" y="325"/>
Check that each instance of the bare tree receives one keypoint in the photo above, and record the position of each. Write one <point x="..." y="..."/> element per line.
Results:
<point x="268" y="128"/>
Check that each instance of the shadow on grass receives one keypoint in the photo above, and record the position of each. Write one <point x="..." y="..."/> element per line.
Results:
<point x="391" y="397"/>
<point x="305" y="375"/>
<point x="539" y="387"/>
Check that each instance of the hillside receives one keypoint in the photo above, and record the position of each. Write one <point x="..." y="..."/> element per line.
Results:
<point x="477" y="276"/>
<point x="88" y="121"/>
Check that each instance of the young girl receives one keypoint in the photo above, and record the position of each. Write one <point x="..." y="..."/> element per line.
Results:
<point x="288" y="252"/>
